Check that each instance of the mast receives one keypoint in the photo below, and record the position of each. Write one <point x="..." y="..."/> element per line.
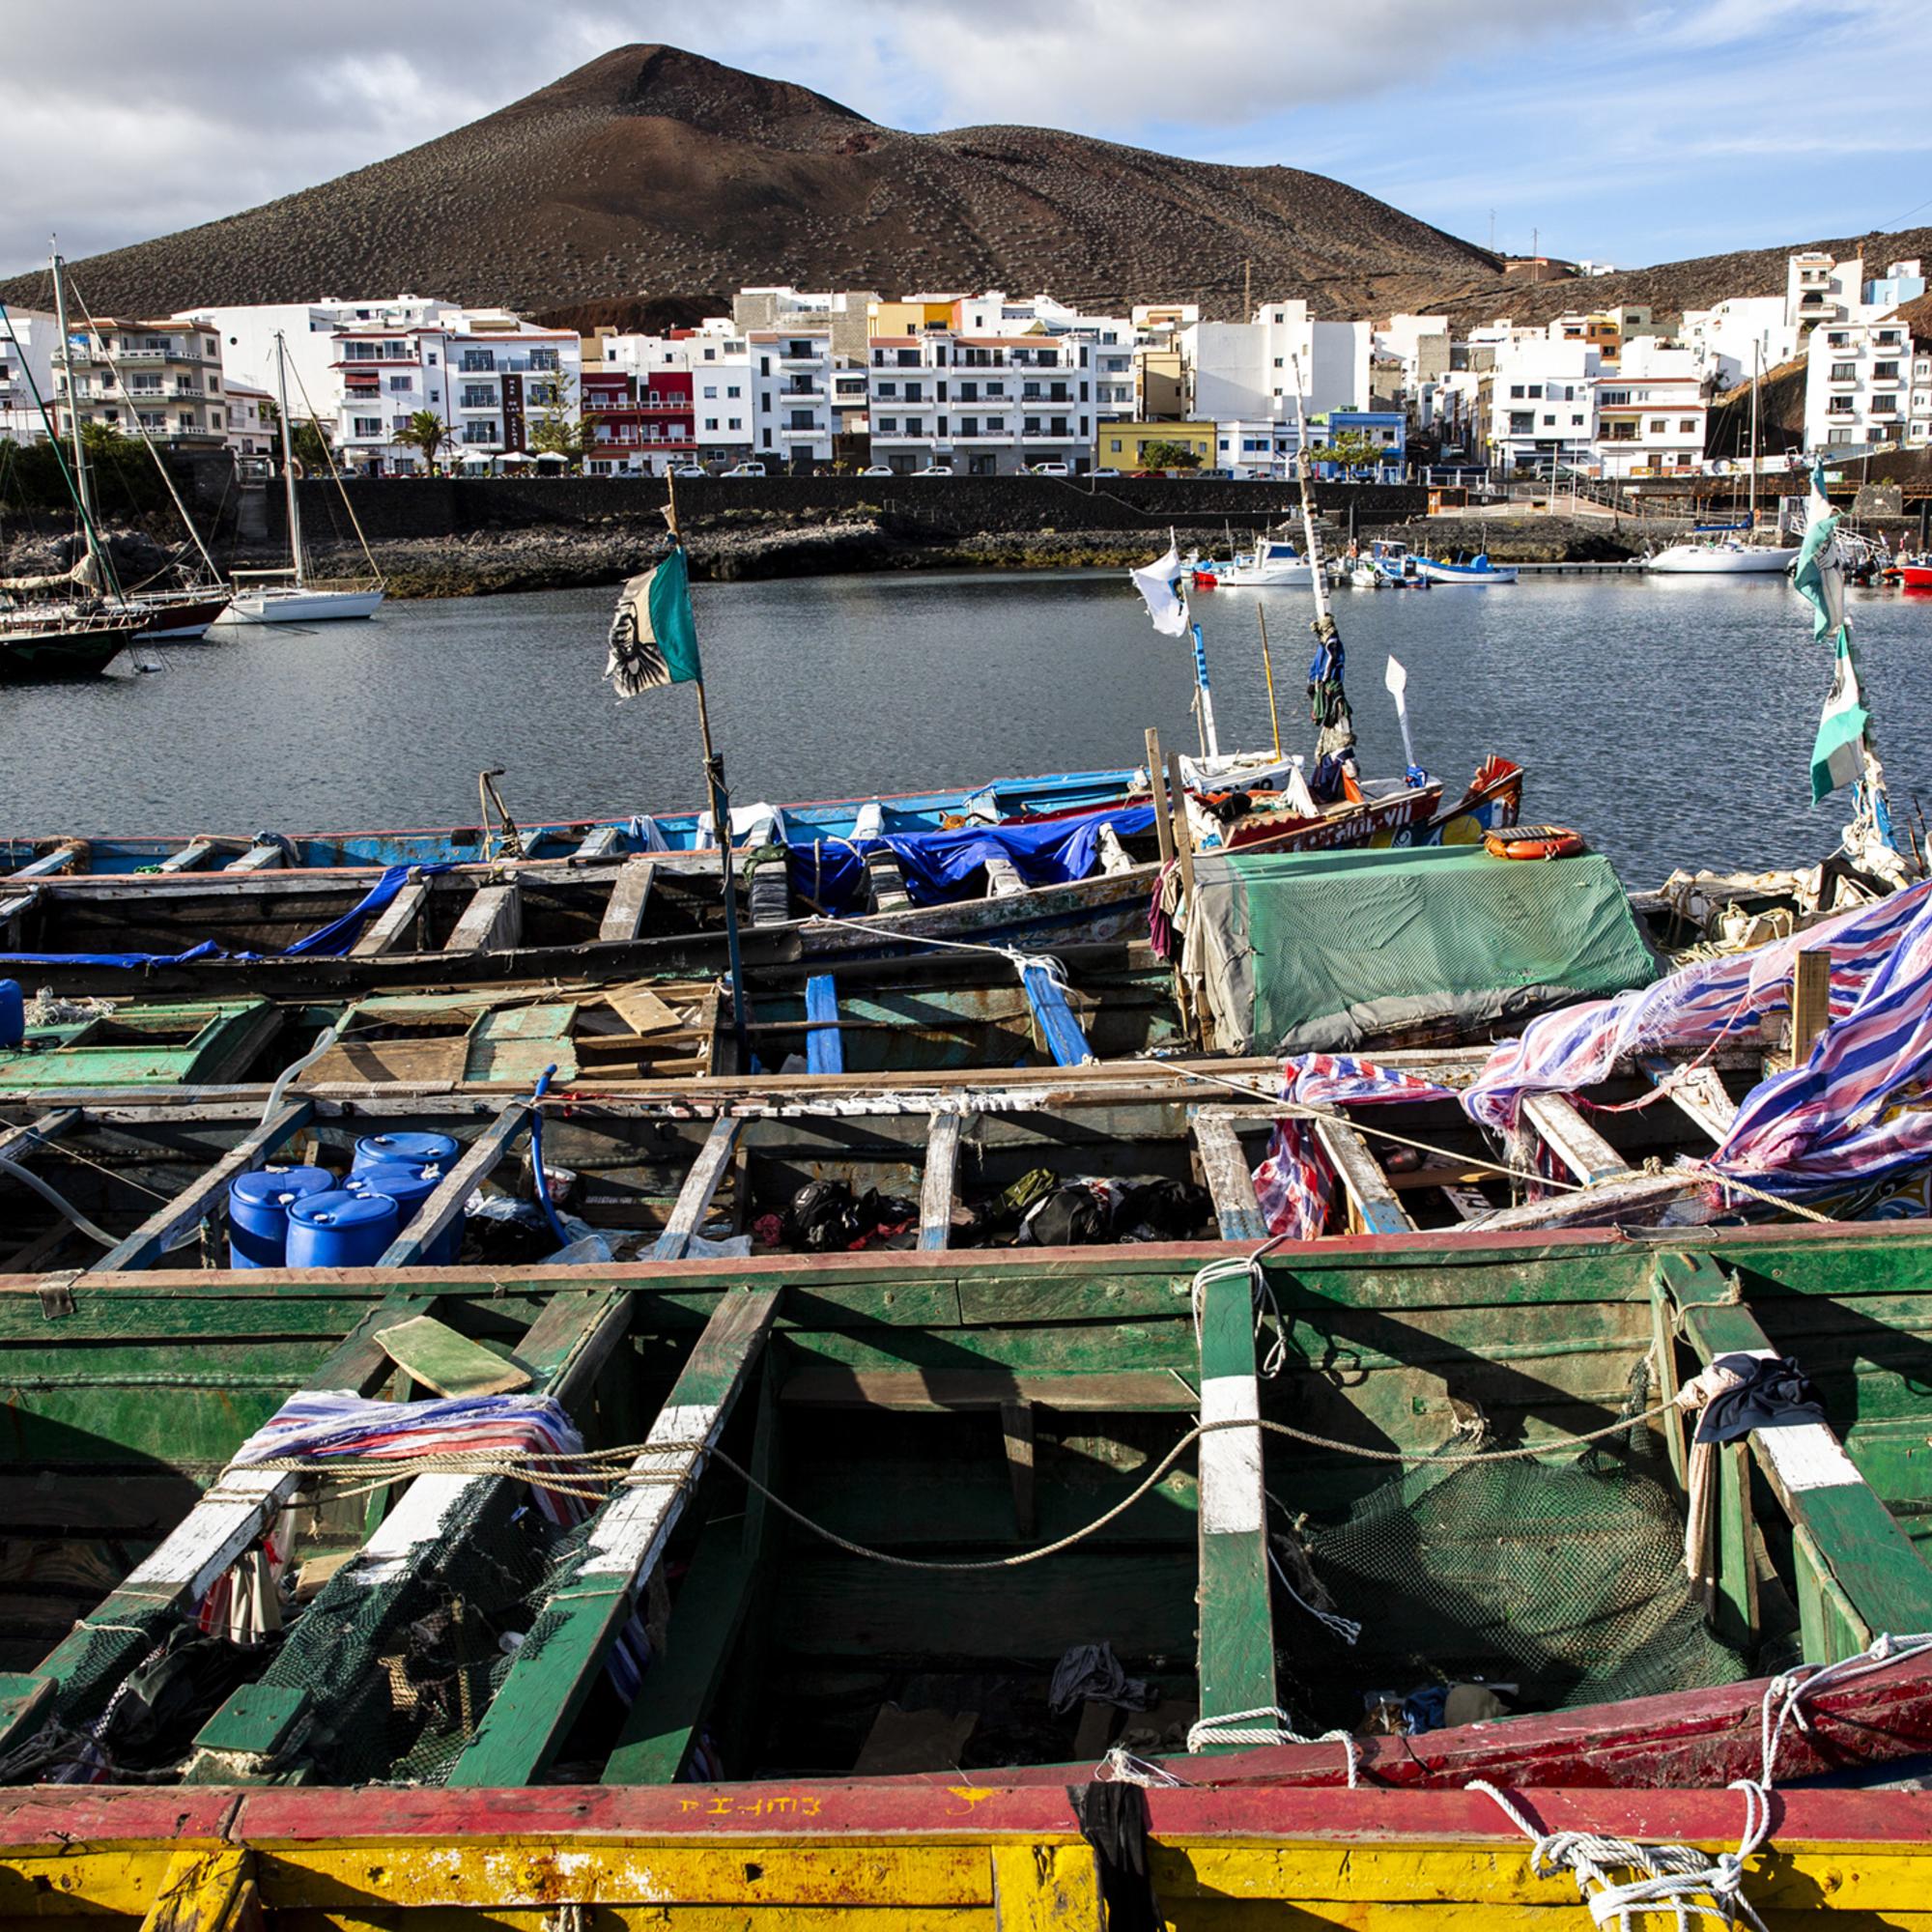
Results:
<point x="287" y="458"/>
<point x="83" y="491"/>
<point x="1757" y="383"/>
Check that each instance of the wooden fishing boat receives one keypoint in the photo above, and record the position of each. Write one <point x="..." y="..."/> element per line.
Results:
<point x="804" y="1729"/>
<point x="141" y="1043"/>
<point x="40" y="648"/>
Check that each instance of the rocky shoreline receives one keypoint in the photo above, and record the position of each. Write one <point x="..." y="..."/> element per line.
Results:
<point x="751" y="546"/>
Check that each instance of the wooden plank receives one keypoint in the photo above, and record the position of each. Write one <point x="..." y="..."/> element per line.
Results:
<point x="435" y="1355"/>
<point x="1810" y="1000"/>
<point x="230" y="1516"/>
<point x="207" y="1888"/>
<point x="693" y="1198"/>
<point x="1048" y="1889"/>
<point x="262" y="1724"/>
<point x="69" y="856"/>
<point x="1639" y="1195"/>
<point x="1866" y="1550"/>
<point x="944" y="1390"/>
<point x="624" y="911"/>
<point x="1374" y="1206"/>
<point x="1163" y="821"/>
<point x="1016" y="1432"/>
<point x="936" y="1185"/>
<point x="824" y="1050"/>
<point x="1224" y="1167"/>
<point x="602" y="841"/>
<point x="493" y="921"/>
<point x="395" y="924"/>
<point x="16" y="1144"/>
<point x="446" y="1205"/>
<point x="1578" y="1145"/>
<point x="14" y="906"/>
<point x="264" y="858"/>
<point x="1663" y="1348"/>
<point x="207" y="1197"/>
<point x="1699" y="1095"/>
<point x="888" y="885"/>
<point x="191" y="857"/>
<point x="1068" y="1045"/>
<point x="531" y="1714"/>
<point x="1236" y="1640"/>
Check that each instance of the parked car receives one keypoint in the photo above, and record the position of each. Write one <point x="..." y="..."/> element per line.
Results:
<point x="746" y="470"/>
<point x="935" y="469"/>
<point x="689" y="469"/>
<point x="876" y="469"/>
<point x="1051" y="469"/>
<point x="1106" y="472"/>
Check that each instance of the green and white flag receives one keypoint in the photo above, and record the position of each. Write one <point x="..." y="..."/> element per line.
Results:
<point x="653" y="639"/>
<point x="1837" y="758"/>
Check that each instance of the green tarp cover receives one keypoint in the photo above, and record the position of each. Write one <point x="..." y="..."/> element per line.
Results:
<point x="1326" y="952"/>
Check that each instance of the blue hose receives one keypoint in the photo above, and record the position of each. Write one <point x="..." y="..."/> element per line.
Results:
<point x="536" y="1159"/>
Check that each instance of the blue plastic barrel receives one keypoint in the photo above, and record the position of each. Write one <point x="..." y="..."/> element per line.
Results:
<point x="410" y="1149"/>
<point x="258" y="1212"/>
<point x="13" y="1015"/>
<point x="340" y="1230"/>
<point x="408" y="1187"/>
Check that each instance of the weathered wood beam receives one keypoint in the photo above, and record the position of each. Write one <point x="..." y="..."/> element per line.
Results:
<point x="1578" y="1145"/>
<point x="936" y="1184"/>
<point x="266" y="857"/>
<point x="1237" y="1642"/>
<point x="14" y="907"/>
<point x="18" y="1143"/>
<point x="624" y="910"/>
<point x="75" y="1679"/>
<point x="1372" y="1201"/>
<point x="207" y="1196"/>
<point x="1225" y="1170"/>
<point x="1064" y="1041"/>
<point x="394" y="923"/>
<point x="69" y="856"/>
<point x="1699" y="1095"/>
<point x="446" y="1205"/>
<point x="939" y="1391"/>
<point x="531" y="1714"/>
<point x="207" y="1888"/>
<point x="600" y="842"/>
<point x="888" y="885"/>
<point x="1639" y="1195"/>
<point x="1016" y="1432"/>
<point x="193" y="856"/>
<point x="824" y="1050"/>
<point x="493" y="921"/>
<point x="320" y="1663"/>
<point x="693" y="1198"/>
<point x="1867" y="1553"/>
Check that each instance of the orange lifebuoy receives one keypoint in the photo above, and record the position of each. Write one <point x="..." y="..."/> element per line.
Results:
<point x="1534" y="842"/>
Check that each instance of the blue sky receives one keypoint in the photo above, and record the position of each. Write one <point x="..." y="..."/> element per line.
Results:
<point x="1623" y="131"/>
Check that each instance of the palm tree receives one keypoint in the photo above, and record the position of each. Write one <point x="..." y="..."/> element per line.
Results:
<point x="427" y="432"/>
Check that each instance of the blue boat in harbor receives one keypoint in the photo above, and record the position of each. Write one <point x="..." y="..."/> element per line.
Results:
<point x="1477" y="570"/>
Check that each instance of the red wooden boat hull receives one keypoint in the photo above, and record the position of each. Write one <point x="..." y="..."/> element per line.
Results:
<point x="1916" y="577"/>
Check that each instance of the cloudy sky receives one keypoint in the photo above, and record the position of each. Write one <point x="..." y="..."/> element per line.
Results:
<point x="1616" y="130"/>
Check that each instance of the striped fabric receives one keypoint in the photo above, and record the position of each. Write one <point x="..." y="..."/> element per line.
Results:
<point x="328" y="1423"/>
<point x="1577" y="1047"/>
<point x="1296" y="1184"/>
<point x="1857" y="1110"/>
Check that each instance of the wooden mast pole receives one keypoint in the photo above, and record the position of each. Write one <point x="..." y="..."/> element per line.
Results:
<point x="720" y="826"/>
<point x="1268" y="672"/>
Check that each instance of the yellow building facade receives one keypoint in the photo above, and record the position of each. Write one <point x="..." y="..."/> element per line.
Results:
<point x="1123" y="446"/>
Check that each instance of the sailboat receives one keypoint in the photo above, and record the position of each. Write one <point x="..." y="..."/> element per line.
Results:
<point x="292" y="596"/>
<point x="1735" y="555"/>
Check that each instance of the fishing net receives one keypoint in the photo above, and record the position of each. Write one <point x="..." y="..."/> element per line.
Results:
<point x="1565" y="1579"/>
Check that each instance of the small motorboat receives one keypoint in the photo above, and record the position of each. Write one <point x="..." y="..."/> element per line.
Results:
<point x="1477" y="570"/>
<point x="1269" y="566"/>
<point x="1916" y="576"/>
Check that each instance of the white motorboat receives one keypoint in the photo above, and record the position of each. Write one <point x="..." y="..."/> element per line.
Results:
<point x="1268" y="566"/>
<point x="1479" y="571"/>
<point x="291" y="595"/>
<point x="1727" y="557"/>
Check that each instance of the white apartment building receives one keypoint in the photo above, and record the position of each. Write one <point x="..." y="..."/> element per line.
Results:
<point x="1541" y="402"/>
<point x="1820" y="289"/>
<point x="718" y="359"/>
<point x="1652" y="418"/>
<point x="1919" y="419"/>
<point x="163" y="377"/>
<point x="1256" y="448"/>
<point x="1243" y="371"/>
<point x="793" y="417"/>
<point x="251" y="432"/>
<point x="1860" y="385"/>
<point x="1420" y="343"/>
<point x="26" y="367"/>
<point x="1112" y="338"/>
<point x="981" y="405"/>
<point x="1746" y="332"/>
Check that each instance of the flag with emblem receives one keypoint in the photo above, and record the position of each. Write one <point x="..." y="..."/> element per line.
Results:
<point x="653" y="638"/>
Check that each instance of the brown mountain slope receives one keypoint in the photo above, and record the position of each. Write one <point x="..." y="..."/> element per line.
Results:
<point x="654" y="172"/>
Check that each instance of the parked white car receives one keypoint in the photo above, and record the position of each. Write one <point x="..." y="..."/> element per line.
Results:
<point x="935" y="469"/>
<point x="1051" y="469"/>
<point x="691" y="470"/>
<point x="876" y="469"/>
<point x="1105" y="472"/>
<point x="746" y="470"/>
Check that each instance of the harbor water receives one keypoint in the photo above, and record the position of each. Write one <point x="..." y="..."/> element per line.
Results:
<point x="1671" y="719"/>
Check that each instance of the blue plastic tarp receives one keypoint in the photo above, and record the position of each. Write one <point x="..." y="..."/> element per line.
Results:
<point x="937" y="864"/>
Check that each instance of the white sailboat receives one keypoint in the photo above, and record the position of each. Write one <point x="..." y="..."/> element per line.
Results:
<point x="1735" y="555"/>
<point x="292" y="596"/>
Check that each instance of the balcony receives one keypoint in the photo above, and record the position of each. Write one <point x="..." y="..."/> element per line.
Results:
<point x="805" y="392"/>
<point x="814" y="359"/>
<point x="819" y="435"/>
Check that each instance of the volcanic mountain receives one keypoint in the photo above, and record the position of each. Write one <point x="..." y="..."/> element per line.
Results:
<point x="653" y="175"/>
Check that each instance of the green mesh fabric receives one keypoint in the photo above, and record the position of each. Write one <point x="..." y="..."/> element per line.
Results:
<point x="1320" y="951"/>
<point x="1568" y="1579"/>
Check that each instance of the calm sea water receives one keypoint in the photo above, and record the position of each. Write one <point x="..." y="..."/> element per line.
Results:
<point x="1671" y="719"/>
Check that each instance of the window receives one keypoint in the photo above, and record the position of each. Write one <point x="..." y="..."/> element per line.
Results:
<point x="401" y="386"/>
<point x="1659" y="427"/>
<point x="1550" y="422"/>
<point x="1844" y="372"/>
<point x="1522" y="422"/>
<point x="361" y="425"/>
<point x="1277" y="362"/>
<point x="542" y="358"/>
<point x="1114" y="446"/>
<point x="737" y="422"/>
<point x="1687" y="426"/>
<point x="1884" y="406"/>
<point x="478" y="360"/>
<point x="1612" y="398"/>
<point x="479" y="431"/>
<point x="968" y="425"/>
<point x="1575" y="422"/>
<point x="710" y="422"/>
<point x="711" y="393"/>
<point x="1536" y="392"/>
<point x="732" y="391"/>
<point x="913" y="392"/>
<point x="915" y="425"/>
<point x="1884" y="372"/>
<point x="1516" y="392"/>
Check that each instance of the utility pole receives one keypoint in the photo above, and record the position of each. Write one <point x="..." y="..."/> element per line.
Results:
<point x="1247" y="290"/>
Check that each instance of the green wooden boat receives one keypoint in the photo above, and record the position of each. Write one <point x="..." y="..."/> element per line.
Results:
<point x="49" y="650"/>
<point x="142" y="1044"/>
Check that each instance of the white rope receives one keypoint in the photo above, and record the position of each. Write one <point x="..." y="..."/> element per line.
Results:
<point x="1121" y="1766"/>
<point x="1346" y="1628"/>
<point x="1788" y="1693"/>
<point x="1678" y="1878"/>
<point x="1240" y="1728"/>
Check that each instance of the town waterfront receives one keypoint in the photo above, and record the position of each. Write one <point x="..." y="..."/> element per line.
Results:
<point x="1670" y="720"/>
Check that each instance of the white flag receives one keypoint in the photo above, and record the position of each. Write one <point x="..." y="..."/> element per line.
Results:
<point x="1396" y="679"/>
<point x="1158" y="585"/>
